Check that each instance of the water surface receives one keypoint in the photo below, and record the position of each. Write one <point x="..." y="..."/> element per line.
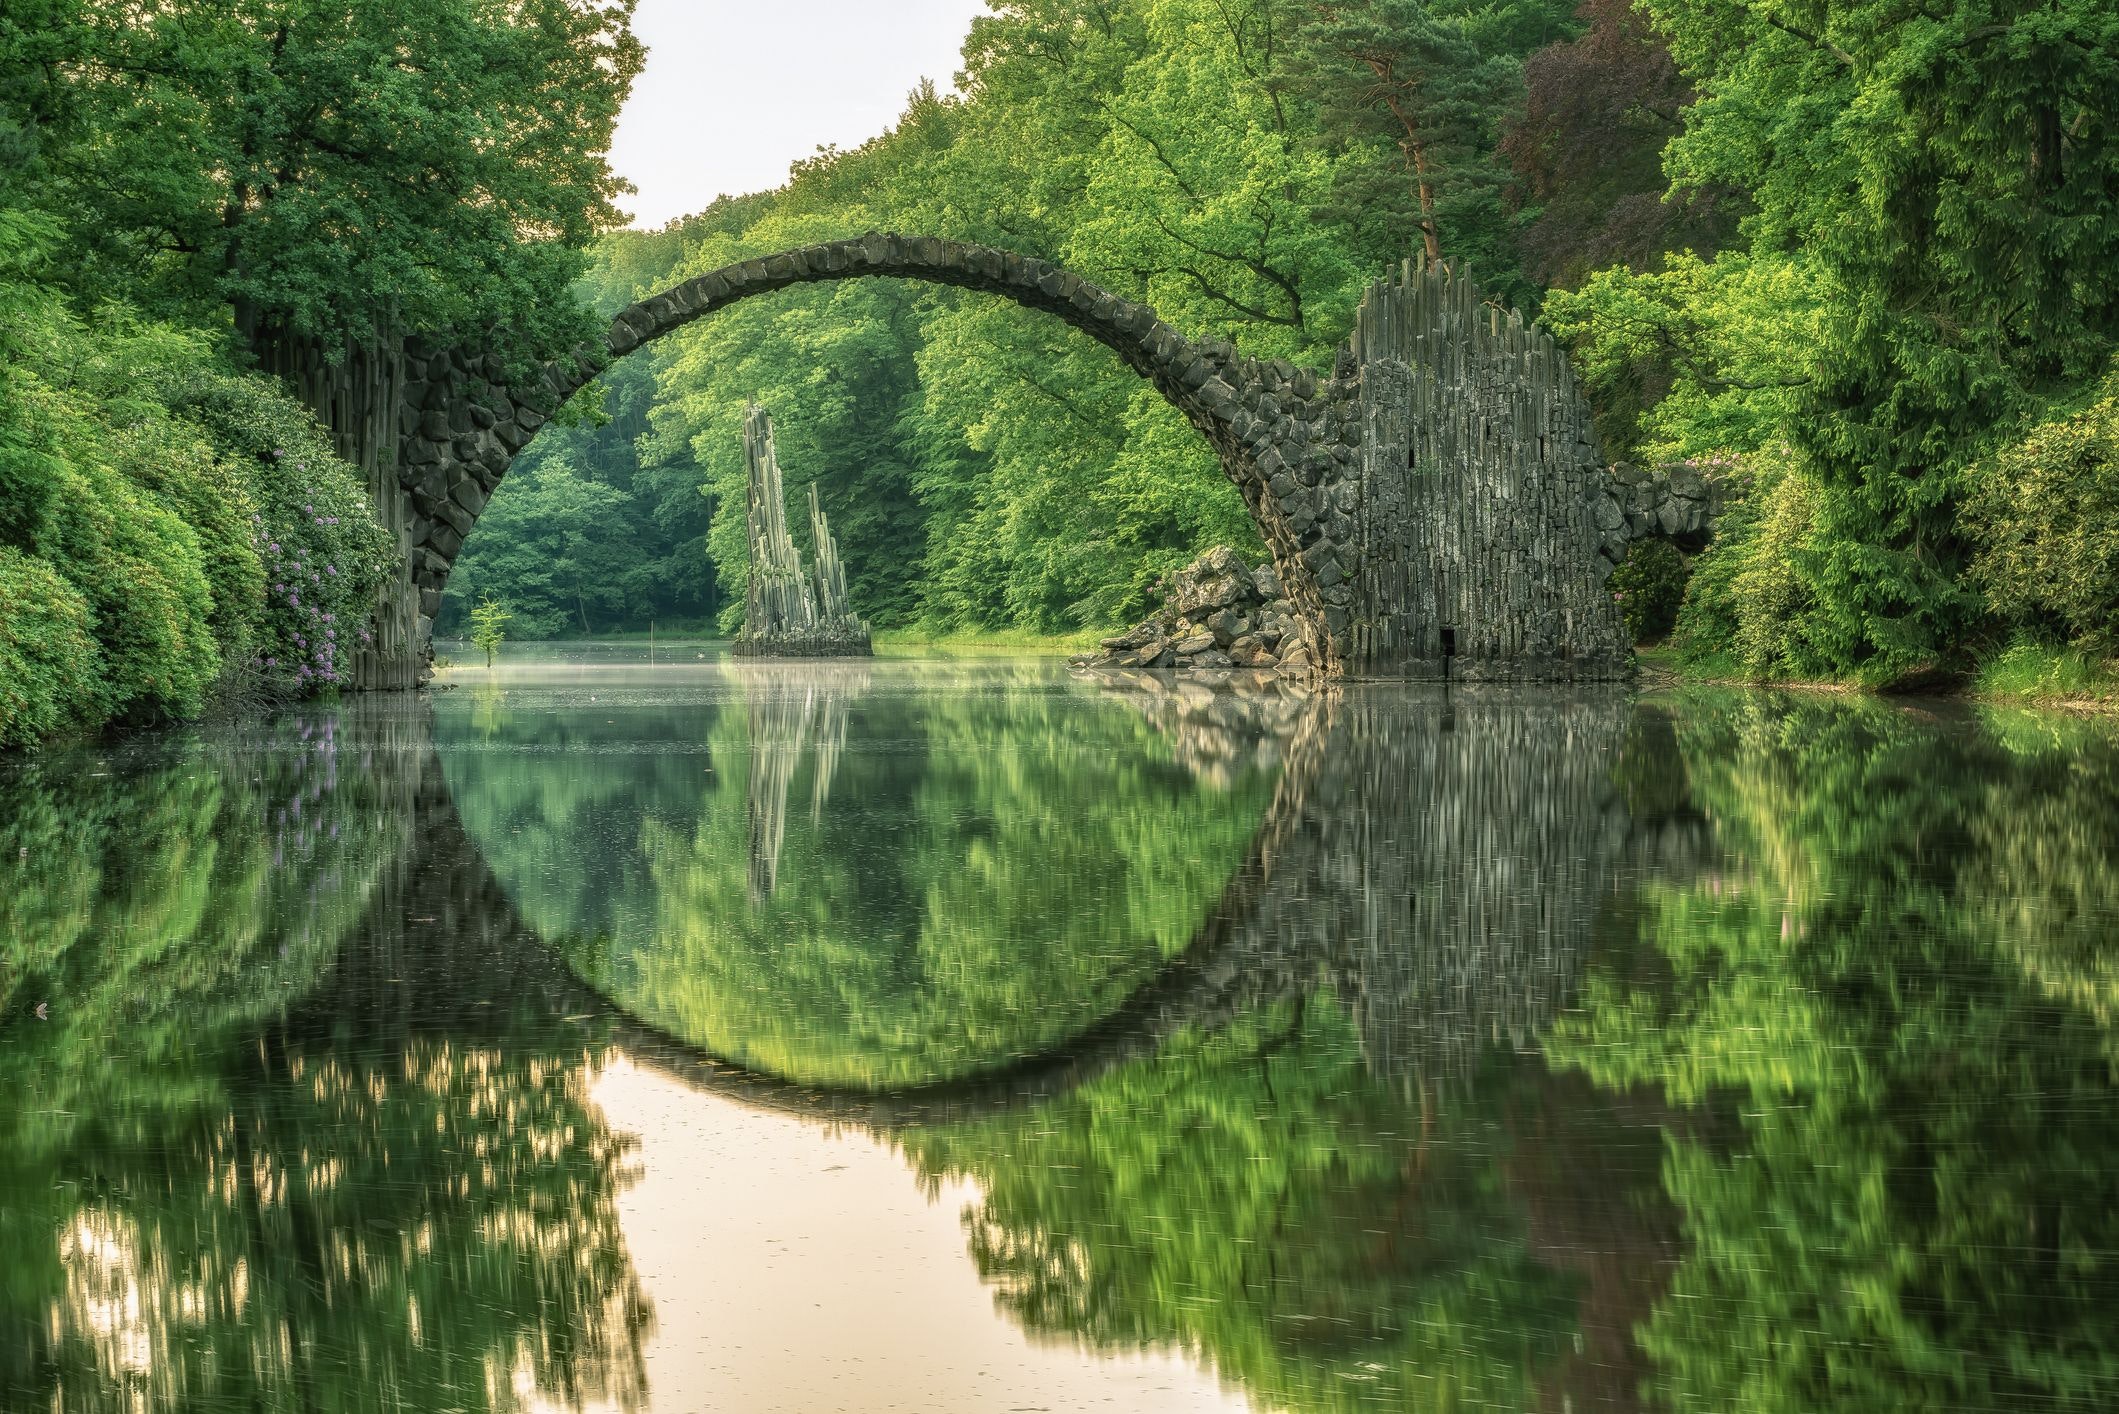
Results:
<point x="926" y="1036"/>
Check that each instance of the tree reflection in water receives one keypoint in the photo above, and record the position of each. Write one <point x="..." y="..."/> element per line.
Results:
<point x="1421" y="1050"/>
<point x="254" y="1160"/>
<point x="1893" y="998"/>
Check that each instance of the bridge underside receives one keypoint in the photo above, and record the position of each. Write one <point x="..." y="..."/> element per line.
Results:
<point x="1436" y="509"/>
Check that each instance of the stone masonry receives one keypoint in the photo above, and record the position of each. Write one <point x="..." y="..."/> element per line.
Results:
<point x="1439" y="483"/>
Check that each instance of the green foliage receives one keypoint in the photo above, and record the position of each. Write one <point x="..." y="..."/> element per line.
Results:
<point x="1704" y="358"/>
<point x="1412" y="96"/>
<point x="2043" y="513"/>
<point x="81" y="458"/>
<point x="324" y="556"/>
<point x="2038" y="672"/>
<point x="1256" y="1197"/>
<point x="582" y="507"/>
<point x="489" y="626"/>
<point x="1891" y="997"/>
<point x="48" y="660"/>
<point x="1038" y="877"/>
<point x="1649" y="585"/>
<point x="1750" y="599"/>
<point x="549" y="550"/>
<point x="1946" y="174"/>
<point x="308" y="170"/>
<point x="179" y="916"/>
<point x="162" y="491"/>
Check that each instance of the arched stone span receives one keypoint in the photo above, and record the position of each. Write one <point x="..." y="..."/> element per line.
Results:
<point x="1436" y="509"/>
<point x="1284" y="437"/>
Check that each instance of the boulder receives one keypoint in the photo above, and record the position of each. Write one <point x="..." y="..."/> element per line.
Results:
<point x="1227" y="625"/>
<point x="1215" y="580"/>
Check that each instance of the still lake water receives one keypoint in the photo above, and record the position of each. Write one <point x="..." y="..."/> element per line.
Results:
<point x="930" y="1036"/>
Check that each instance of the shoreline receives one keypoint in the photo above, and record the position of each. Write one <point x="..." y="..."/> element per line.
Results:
<point x="1660" y="670"/>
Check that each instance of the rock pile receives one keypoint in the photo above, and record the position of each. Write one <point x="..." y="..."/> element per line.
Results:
<point x="1217" y="613"/>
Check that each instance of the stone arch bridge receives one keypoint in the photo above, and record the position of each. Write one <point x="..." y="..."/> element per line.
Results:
<point x="1435" y="508"/>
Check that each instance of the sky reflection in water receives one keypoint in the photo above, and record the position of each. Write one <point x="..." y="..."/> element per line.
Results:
<point x="914" y="1036"/>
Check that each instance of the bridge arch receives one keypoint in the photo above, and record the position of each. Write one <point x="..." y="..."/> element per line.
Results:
<point x="1286" y="439"/>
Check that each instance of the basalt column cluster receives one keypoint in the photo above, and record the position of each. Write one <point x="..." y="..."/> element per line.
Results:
<point x="1481" y="553"/>
<point x="790" y="613"/>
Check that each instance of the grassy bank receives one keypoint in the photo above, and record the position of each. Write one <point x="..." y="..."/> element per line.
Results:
<point x="902" y="642"/>
<point x="2061" y="677"/>
<point x="2024" y="673"/>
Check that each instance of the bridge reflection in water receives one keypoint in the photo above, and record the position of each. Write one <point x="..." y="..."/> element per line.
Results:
<point x="1329" y="1042"/>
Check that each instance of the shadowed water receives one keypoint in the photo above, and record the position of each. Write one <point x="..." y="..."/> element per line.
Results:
<point x="964" y="1036"/>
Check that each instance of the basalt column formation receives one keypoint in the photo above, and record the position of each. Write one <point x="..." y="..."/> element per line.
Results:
<point x="789" y="614"/>
<point x="1481" y="554"/>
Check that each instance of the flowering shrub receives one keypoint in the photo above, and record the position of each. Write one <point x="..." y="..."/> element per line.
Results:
<point x="110" y="594"/>
<point x="323" y="554"/>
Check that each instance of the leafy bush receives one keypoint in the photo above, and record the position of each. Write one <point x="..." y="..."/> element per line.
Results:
<point x="2044" y="515"/>
<point x="48" y="660"/>
<point x="323" y="554"/>
<point x="133" y="560"/>
<point x="1750" y="602"/>
<point x="1649" y="585"/>
<point x="144" y="495"/>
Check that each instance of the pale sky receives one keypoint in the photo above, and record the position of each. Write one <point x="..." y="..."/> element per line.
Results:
<point x="736" y="90"/>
